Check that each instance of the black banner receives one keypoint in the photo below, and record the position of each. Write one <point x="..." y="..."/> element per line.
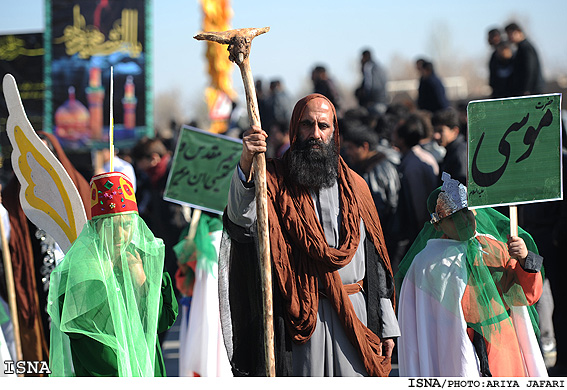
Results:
<point x="21" y="55"/>
<point x="87" y="38"/>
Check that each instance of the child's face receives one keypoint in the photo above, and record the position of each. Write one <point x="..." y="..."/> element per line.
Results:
<point x="459" y="226"/>
<point x="122" y="233"/>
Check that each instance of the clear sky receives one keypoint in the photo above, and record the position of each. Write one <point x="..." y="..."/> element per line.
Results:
<point x="306" y="32"/>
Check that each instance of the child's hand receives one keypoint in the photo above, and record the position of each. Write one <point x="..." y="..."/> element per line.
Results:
<point x="136" y="267"/>
<point x="517" y="249"/>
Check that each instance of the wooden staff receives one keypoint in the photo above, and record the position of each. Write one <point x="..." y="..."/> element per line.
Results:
<point x="9" y="274"/>
<point x="195" y="216"/>
<point x="239" y="42"/>
<point x="513" y="220"/>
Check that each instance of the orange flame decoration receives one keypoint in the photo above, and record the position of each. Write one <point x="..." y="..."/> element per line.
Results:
<point x="216" y="16"/>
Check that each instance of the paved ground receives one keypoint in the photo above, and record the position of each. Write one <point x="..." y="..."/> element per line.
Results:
<point x="170" y="350"/>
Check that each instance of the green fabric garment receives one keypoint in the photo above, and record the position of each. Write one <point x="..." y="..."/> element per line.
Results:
<point x="202" y="243"/>
<point x="3" y="315"/>
<point x="206" y="251"/>
<point x="83" y="348"/>
<point x="105" y="300"/>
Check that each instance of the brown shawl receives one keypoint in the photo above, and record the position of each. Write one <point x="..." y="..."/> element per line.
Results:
<point x="300" y="251"/>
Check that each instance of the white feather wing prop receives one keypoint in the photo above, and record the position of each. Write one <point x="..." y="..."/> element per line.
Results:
<point x="48" y="196"/>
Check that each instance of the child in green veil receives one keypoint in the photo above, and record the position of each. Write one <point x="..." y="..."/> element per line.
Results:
<point x="110" y="296"/>
<point x="467" y="291"/>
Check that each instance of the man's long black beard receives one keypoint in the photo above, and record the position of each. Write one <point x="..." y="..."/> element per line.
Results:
<point x="313" y="168"/>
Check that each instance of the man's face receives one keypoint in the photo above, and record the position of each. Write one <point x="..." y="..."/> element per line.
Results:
<point x="505" y="53"/>
<point x="515" y="36"/>
<point x="364" y="59"/>
<point x="354" y="153"/>
<point x="494" y="40"/>
<point x="144" y="163"/>
<point x="444" y="135"/>
<point x="147" y="162"/>
<point x="316" y="123"/>
<point x="313" y="161"/>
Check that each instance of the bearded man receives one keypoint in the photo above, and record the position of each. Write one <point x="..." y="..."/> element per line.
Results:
<point x="333" y="290"/>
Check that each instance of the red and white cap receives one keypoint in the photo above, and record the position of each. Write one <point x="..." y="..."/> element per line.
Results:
<point x="112" y="193"/>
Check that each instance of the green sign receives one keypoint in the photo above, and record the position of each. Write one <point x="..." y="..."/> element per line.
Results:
<point x="514" y="150"/>
<point x="202" y="168"/>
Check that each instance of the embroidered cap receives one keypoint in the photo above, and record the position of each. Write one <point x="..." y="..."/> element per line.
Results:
<point x="112" y="193"/>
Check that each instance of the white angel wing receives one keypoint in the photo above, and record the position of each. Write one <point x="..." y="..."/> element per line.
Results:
<point x="48" y="196"/>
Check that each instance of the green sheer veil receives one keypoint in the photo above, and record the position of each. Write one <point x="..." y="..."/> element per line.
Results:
<point x="108" y="288"/>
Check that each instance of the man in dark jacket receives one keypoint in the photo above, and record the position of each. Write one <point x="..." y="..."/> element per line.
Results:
<point x="527" y="78"/>
<point x="500" y="65"/>
<point x="360" y="145"/>
<point x="372" y="93"/>
<point x="448" y="134"/>
<point x="431" y="91"/>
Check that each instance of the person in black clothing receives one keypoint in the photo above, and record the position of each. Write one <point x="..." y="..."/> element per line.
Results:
<point x="278" y="106"/>
<point x="547" y="223"/>
<point x="325" y="86"/>
<point x="360" y="145"/>
<point x="448" y="134"/>
<point x="500" y="65"/>
<point x="494" y="38"/>
<point x="261" y="98"/>
<point x="527" y="78"/>
<point x="431" y="91"/>
<point x="372" y="93"/>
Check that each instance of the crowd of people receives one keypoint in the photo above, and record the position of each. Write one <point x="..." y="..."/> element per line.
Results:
<point x="402" y="150"/>
<point x="351" y="190"/>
